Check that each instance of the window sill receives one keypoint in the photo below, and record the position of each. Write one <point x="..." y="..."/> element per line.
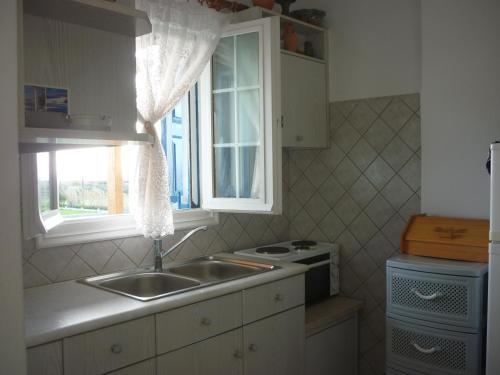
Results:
<point x="82" y="230"/>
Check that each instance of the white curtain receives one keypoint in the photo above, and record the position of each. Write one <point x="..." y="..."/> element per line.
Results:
<point x="169" y="61"/>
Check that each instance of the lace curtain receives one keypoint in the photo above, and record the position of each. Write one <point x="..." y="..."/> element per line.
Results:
<point x="169" y="61"/>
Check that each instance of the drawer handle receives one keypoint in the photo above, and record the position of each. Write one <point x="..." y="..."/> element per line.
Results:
<point x="116" y="348"/>
<point x="238" y="354"/>
<point x="432" y="350"/>
<point x="252" y="348"/>
<point x="206" y="321"/>
<point x="429" y="297"/>
<point x="279" y="297"/>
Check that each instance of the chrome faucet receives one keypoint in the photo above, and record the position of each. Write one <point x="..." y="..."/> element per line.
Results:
<point x="159" y="254"/>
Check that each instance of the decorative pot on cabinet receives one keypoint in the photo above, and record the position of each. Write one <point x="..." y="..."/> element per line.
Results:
<point x="290" y="38"/>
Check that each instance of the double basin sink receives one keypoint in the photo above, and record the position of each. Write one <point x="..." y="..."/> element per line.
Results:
<point x="146" y="285"/>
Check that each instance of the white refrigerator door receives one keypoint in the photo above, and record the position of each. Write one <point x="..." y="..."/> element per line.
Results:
<point x="495" y="193"/>
<point x="493" y="332"/>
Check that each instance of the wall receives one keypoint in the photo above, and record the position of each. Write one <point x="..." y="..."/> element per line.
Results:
<point x="12" y="353"/>
<point x="375" y="46"/>
<point x="460" y="104"/>
<point x="360" y="193"/>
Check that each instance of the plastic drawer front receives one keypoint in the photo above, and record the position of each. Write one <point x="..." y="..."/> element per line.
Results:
<point x="445" y="299"/>
<point x="431" y="351"/>
<point x="390" y="371"/>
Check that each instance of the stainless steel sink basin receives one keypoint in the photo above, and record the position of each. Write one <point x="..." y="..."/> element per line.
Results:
<point x="146" y="285"/>
<point x="143" y="286"/>
<point x="212" y="269"/>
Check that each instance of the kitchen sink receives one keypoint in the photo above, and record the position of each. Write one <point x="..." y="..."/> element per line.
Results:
<point x="211" y="269"/>
<point x="146" y="285"/>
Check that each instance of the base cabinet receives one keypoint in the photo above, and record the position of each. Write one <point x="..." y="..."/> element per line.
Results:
<point x="222" y="354"/>
<point x="45" y="359"/>
<point x="275" y="345"/>
<point x="210" y="337"/>
<point x="334" y="350"/>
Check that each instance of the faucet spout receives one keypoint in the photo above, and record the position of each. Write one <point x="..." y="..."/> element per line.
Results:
<point x="159" y="254"/>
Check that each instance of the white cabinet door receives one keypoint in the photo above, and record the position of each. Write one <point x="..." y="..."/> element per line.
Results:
<point x="219" y="355"/>
<point x="275" y="345"/>
<point x="45" y="359"/>
<point x="240" y="120"/>
<point x="304" y="102"/>
<point x="142" y="368"/>
<point x="333" y="351"/>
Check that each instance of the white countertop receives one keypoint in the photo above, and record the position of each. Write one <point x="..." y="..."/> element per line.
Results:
<point x="55" y="311"/>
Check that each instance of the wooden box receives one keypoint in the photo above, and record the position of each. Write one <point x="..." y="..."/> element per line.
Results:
<point x="449" y="238"/>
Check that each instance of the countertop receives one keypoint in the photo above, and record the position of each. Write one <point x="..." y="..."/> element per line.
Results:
<point x="326" y="313"/>
<point x="55" y="311"/>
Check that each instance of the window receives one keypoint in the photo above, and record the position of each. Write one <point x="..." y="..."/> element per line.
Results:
<point x="90" y="186"/>
<point x="241" y="120"/>
<point x="82" y="195"/>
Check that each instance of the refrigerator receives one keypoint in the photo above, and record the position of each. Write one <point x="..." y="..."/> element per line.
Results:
<point x="493" y="328"/>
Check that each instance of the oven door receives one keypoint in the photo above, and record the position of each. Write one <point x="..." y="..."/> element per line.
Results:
<point x="317" y="279"/>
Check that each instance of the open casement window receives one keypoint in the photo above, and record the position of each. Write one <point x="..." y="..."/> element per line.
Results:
<point x="241" y="121"/>
<point x="81" y="195"/>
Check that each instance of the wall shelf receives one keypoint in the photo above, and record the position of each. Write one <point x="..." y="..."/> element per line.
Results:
<point x="42" y="139"/>
<point x="98" y="14"/>
<point x="302" y="56"/>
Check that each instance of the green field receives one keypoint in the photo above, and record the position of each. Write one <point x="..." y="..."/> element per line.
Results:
<point x="80" y="212"/>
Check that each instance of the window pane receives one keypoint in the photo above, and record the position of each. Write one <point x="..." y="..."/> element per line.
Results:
<point x="83" y="181"/>
<point x="224" y="118"/>
<point x="247" y="57"/>
<point x="43" y="172"/>
<point x="178" y="131"/>
<point x="248" y="116"/>
<point x="225" y="172"/>
<point x="249" y="175"/>
<point x="223" y="64"/>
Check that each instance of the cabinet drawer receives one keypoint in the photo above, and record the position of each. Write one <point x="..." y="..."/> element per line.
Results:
<point x="142" y="368"/>
<point x="45" y="359"/>
<point x="268" y="299"/>
<point x="196" y="322"/>
<point x="432" y="351"/>
<point x="110" y="348"/>
<point x="446" y="299"/>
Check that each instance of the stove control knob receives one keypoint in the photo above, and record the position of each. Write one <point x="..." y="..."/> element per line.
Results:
<point x="252" y="348"/>
<point x="278" y="297"/>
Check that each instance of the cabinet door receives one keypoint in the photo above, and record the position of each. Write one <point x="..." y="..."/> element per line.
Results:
<point x="219" y="355"/>
<point x="45" y="359"/>
<point x="333" y="351"/>
<point x="304" y="101"/>
<point x="275" y="345"/>
<point x="240" y="120"/>
<point x="142" y="368"/>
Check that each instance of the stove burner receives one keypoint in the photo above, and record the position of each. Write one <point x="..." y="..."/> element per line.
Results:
<point x="271" y="250"/>
<point x="303" y="245"/>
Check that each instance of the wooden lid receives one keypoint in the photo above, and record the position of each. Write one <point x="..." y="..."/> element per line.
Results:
<point x="444" y="237"/>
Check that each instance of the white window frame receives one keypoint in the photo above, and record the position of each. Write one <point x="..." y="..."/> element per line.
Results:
<point x="52" y="229"/>
<point x="270" y="131"/>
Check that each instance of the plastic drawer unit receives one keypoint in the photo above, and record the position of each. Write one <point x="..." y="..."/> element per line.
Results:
<point x="436" y="316"/>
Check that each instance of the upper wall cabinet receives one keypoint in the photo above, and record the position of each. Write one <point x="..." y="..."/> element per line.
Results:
<point x="241" y="120"/>
<point x="304" y="82"/>
<point x="78" y="86"/>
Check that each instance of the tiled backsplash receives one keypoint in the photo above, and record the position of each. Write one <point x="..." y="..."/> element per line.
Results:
<point x="234" y="232"/>
<point x="359" y="193"/>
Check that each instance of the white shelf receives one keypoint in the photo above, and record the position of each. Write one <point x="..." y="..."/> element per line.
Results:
<point x="41" y="139"/>
<point x="98" y="14"/>
<point x="300" y="26"/>
<point x="303" y="56"/>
